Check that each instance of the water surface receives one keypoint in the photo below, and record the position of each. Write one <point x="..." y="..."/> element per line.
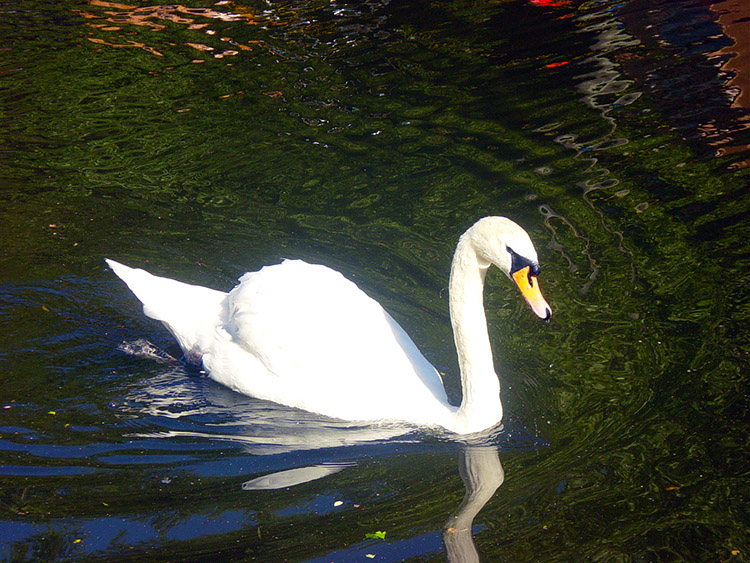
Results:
<point x="204" y="140"/>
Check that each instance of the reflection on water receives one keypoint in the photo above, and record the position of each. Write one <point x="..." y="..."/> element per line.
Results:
<point x="292" y="477"/>
<point x="195" y="407"/>
<point x="704" y="90"/>
<point x="113" y="19"/>
<point x="732" y="17"/>
<point x="482" y="474"/>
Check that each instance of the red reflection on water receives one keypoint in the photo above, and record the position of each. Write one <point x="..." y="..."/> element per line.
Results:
<point x="550" y="2"/>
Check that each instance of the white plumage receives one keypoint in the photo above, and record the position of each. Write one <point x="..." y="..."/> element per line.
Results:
<point x="304" y="336"/>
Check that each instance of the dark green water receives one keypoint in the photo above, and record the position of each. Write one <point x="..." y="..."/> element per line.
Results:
<point x="206" y="140"/>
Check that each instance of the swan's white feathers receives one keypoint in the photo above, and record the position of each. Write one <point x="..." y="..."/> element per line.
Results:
<point x="188" y="311"/>
<point x="304" y="336"/>
<point x="491" y="236"/>
<point x="298" y="334"/>
<point x="289" y="317"/>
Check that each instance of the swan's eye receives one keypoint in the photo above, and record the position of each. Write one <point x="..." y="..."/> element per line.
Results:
<point x="518" y="262"/>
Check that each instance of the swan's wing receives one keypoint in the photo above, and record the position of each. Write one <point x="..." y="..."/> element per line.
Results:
<point x="321" y="337"/>
<point x="428" y="374"/>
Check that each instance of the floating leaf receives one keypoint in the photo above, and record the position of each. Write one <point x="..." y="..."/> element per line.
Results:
<point x="376" y="536"/>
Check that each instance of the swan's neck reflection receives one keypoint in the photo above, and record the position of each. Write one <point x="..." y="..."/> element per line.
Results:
<point x="480" y="470"/>
<point x="482" y="473"/>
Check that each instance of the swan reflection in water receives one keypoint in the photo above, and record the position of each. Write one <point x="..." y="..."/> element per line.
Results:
<point x="482" y="474"/>
<point x="178" y="404"/>
<point x="480" y="470"/>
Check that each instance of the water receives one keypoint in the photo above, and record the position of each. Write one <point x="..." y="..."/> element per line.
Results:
<point x="205" y="140"/>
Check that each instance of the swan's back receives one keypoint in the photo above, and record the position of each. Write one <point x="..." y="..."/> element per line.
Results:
<point x="304" y="335"/>
<point x="297" y="316"/>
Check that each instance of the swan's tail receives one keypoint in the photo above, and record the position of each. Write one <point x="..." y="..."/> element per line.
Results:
<point x="190" y="312"/>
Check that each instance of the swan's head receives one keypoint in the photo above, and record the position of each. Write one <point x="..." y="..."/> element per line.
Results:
<point x="505" y="244"/>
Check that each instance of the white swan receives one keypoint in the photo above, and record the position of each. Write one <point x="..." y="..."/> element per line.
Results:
<point x="302" y="335"/>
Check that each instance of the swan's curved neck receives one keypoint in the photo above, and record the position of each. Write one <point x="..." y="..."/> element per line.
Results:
<point x="480" y="407"/>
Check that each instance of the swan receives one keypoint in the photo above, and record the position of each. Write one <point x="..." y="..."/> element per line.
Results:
<point x="302" y="335"/>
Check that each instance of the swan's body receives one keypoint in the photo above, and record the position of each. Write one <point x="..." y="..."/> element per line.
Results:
<point x="304" y="336"/>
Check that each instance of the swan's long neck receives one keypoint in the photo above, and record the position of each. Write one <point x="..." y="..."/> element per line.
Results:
<point x="480" y="407"/>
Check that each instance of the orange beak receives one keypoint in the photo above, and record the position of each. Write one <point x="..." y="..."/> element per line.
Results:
<point x="529" y="287"/>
